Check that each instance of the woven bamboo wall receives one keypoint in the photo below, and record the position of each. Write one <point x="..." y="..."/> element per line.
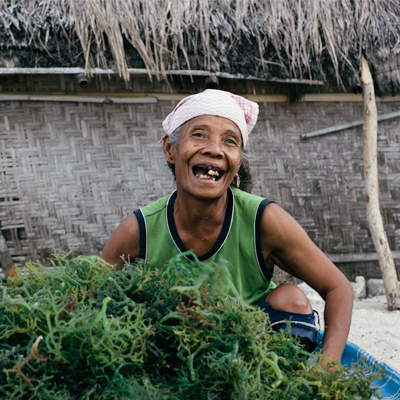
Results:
<point x="70" y="172"/>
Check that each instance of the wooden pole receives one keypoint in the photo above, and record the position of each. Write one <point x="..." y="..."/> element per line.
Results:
<point x="370" y="134"/>
<point x="337" y="128"/>
<point x="143" y="71"/>
<point x="5" y="259"/>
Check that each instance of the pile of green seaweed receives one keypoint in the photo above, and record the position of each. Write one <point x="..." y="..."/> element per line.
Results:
<point x="85" y="331"/>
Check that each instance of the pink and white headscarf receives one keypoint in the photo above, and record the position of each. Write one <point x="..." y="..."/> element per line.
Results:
<point x="219" y="103"/>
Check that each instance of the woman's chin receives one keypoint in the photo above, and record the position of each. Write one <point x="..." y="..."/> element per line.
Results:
<point x="206" y="189"/>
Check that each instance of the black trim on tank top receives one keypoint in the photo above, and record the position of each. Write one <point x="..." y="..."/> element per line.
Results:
<point x="262" y="263"/>
<point x="142" y="234"/>
<point x="221" y="238"/>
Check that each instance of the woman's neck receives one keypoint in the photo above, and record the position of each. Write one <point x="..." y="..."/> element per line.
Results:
<point x="198" y="222"/>
<point x="191" y="211"/>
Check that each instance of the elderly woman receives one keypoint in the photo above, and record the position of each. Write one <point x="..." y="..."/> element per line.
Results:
<point x="204" y="146"/>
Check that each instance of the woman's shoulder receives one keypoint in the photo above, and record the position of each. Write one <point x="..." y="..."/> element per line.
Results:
<point x="157" y="206"/>
<point x="248" y="198"/>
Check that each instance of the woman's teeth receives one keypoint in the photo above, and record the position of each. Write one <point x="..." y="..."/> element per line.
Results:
<point x="212" y="172"/>
<point x="202" y="176"/>
<point x="211" y="175"/>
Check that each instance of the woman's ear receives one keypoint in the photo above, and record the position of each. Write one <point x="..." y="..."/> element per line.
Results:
<point x="238" y="168"/>
<point x="168" y="150"/>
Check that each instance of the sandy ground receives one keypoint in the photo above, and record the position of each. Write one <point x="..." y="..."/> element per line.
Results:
<point x="373" y="328"/>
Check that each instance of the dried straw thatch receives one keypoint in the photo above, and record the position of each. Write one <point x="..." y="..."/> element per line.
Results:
<point x="311" y="39"/>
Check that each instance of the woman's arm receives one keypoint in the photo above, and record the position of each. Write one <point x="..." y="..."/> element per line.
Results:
<point x="123" y="244"/>
<point x="285" y="241"/>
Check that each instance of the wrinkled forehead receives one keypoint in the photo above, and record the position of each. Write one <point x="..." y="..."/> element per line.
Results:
<point x="213" y="124"/>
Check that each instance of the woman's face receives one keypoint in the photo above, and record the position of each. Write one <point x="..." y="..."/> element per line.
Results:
<point x="206" y="156"/>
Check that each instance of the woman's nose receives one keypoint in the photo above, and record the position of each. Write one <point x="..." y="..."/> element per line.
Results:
<point x="213" y="147"/>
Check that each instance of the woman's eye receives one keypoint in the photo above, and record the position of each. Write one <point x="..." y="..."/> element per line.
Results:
<point x="231" y="141"/>
<point x="197" y="134"/>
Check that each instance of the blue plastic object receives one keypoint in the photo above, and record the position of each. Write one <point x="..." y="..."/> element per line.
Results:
<point x="389" y="387"/>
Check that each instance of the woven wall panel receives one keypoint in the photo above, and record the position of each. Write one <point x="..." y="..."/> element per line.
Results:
<point x="69" y="172"/>
<point x="320" y="181"/>
<point x="75" y="170"/>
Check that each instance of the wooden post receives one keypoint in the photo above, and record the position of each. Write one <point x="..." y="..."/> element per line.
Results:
<point x="370" y="133"/>
<point x="5" y="258"/>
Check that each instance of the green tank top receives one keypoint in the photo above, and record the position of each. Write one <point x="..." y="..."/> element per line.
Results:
<point x="239" y="242"/>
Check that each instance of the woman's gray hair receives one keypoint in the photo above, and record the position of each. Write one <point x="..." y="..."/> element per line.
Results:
<point x="244" y="173"/>
<point x="174" y="136"/>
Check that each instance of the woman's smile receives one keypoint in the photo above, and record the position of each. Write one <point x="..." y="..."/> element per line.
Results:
<point x="208" y="172"/>
<point x="206" y="156"/>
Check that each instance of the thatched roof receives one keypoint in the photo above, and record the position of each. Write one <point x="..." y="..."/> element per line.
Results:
<point x="307" y="39"/>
